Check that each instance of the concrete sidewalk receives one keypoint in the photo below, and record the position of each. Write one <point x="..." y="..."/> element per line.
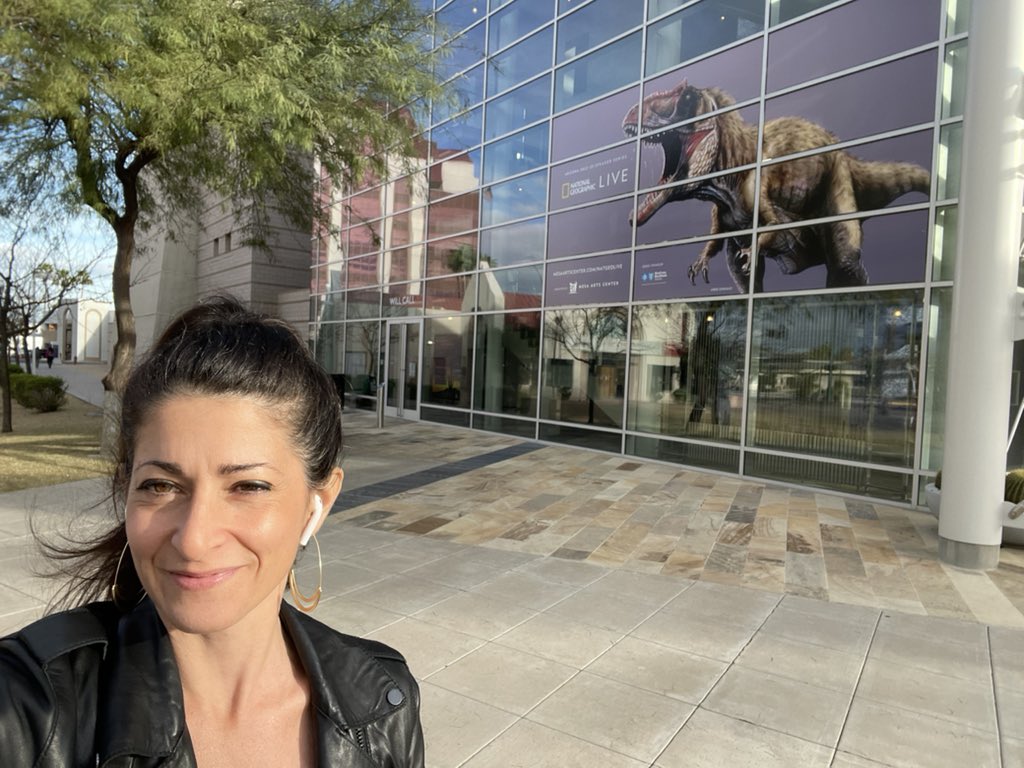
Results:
<point x="568" y="608"/>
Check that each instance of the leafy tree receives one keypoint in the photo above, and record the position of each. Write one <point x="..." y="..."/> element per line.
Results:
<point x="38" y="272"/>
<point x="140" y="107"/>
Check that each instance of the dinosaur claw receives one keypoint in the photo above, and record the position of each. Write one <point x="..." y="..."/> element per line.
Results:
<point x="704" y="273"/>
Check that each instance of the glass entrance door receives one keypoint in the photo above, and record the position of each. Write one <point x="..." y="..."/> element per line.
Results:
<point x="402" y="385"/>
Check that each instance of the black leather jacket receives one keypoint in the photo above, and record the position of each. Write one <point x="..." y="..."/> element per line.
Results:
<point x="95" y="687"/>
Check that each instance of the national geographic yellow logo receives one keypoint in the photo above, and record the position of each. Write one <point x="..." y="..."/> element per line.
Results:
<point x="565" y="191"/>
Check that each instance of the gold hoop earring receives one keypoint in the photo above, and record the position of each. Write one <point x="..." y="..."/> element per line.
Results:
<point x="114" y="591"/>
<point x="306" y="603"/>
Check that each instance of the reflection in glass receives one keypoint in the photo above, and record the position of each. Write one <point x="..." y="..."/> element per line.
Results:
<point x="514" y="427"/>
<point x="332" y="307"/>
<point x="944" y="243"/>
<point x="516" y="154"/>
<point x="680" y="452"/>
<point x="598" y="73"/>
<point x="465" y="90"/>
<point x="950" y="146"/>
<point x="509" y="288"/>
<point x="517" y="108"/>
<point x="686" y="369"/>
<point x="837" y="375"/>
<point x="594" y="24"/>
<point x="360" y="305"/>
<point x="362" y="358"/>
<point x="404" y="228"/>
<point x="367" y="205"/>
<point x="701" y="28"/>
<point x="402" y="300"/>
<point x="453" y="214"/>
<point x="508" y="353"/>
<point x="520" y="62"/>
<point x="954" y="79"/>
<point x="459" y="134"/>
<point x="593" y="439"/>
<point x="516" y="20"/>
<point x="784" y="10"/>
<point x="585" y="365"/>
<point x="447" y="360"/>
<point x="958" y="14"/>
<point x="460" y="54"/>
<point x="448" y="295"/>
<point x="939" y="329"/>
<point x="330" y="347"/>
<point x="363" y="271"/>
<point x="515" y="199"/>
<point x="458" y="15"/>
<point x="517" y="243"/>
<point x="455" y="175"/>
<point x="452" y="255"/>
<point x="363" y="239"/>
<point x="863" y="481"/>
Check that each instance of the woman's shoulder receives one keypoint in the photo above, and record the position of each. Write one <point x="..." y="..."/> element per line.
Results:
<point x="58" y="634"/>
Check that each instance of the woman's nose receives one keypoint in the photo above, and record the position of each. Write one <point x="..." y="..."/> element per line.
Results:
<point x="198" y="528"/>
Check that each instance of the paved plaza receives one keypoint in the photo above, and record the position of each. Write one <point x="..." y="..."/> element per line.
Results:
<point x="563" y="607"/>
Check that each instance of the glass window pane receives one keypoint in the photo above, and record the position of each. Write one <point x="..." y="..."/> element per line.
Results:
<point x="958" y="14"/>
<point x="944" y="243"/>
<point x="954" y="79"/>
<point x="454" y="214"/>
<point x="452" y="255"/>
<point x="330" y="348"/>
<point x="950" y="148"/>
<point x="363" y="304"/>
<point x="448" y="295"/>
<point x="939" y="330"/>
<point x="402" y="300"/>
<point x="784" y="10"/>
<point x="517" y="243"/>
<point x="465" y="90"/>
<point x="516" y="154"/>
<point x="363" y="271"/>
<point x="598" y="73"/>
<point x="459" y="14"/>
<point x="520" y="62"/>
<point x="584" y="365"/>
<point x="686" y="369"/>
<point x="517" y="108"/>
<point x="862" y="481"/>
<point x="836" y="375"/>
<point x="516" y="20"/>
<point x="362" y="353"/>
<point x="455" y="175"/>
<point x="514" y="427"/>
<point x="461" y="53"/>
<point x="593" y="439"/>
<point x="458" y="134"/>
<point x="502" y="289"/>
<point x="595" y="23"/>
<point x="515" y="199"/>
<point x="447" y="360"/>
<point x="403" y="264"/>
<point x="508" y="354"/>
<point x="404" y="228"/>
<point x="679" y="452"/>
<point x="701" y="28"/>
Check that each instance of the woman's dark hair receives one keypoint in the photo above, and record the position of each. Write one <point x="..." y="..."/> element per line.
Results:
<point x="217" y="347"/>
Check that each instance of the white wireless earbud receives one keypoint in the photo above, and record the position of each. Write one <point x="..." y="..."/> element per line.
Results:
<point x="310" y="529"/>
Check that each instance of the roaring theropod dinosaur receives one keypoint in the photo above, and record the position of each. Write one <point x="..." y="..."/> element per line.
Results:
<point x="825" y="184"/>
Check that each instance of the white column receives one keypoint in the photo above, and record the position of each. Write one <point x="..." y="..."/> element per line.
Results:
<point x="981" y="343"/>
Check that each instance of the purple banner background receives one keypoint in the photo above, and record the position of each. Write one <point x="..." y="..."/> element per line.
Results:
<point x="599" y="227"/>
<point x="661" y="273"/>
<point x="736" y="71"/>
<point x="603" y="174"/>
<point x="592" y="126"/>
<point x="597" y="280"/>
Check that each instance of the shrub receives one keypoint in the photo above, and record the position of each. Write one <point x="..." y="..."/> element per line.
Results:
<point x="40" y="393"/>
<point x="13" y="368"/>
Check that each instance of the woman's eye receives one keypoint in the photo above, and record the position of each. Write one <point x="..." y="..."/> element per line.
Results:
<point x="157" y="486"/>
<point x="252" y="486"/>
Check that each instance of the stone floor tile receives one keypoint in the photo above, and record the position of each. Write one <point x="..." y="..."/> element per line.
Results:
<point x="563" y="640"/>
<point x="1011" y="711"/>
<point x="814" y="664"/>
<point x="402" y="594"/>
<point x="907" y="739"/>
<point x="846" y="760"/>
<point x="790" y="706"/>
<point x="16" y="601"/>
<point x="353" y="617"/>
<point x="531" y="745"/>
<point x="934" y="654"/>
<point x="1007" y="659"/>
<point x="613" y="715"/>
<point x="503" y="677"/>
<point x="12" y="622"/>
<point x="475" y="615"/>
<point x="649" y="589"/>
<point x="458" y="726"/>
<point x="659" y="669"/>
<point x="426" y="647"/>
<point x="402" y="556"/>
<point x="935" y="695"/>
<point x="950" y="630"/>
<point x="711" y="740"/>
<point x="339" y="577"/>
<point x="695" y="635"/>
<point x="1012" y="752"/>
<point x="524" y="588"/>
<point x="723" y="604"/>
<point x="603" y="608"/>
<point x="564" y="572"/>
<point x="827" y="629"/>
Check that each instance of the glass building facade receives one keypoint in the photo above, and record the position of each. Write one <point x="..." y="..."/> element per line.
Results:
<point x="718" y="233"/>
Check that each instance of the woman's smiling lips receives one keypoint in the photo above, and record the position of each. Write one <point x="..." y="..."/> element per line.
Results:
<point x="200" y="580"/>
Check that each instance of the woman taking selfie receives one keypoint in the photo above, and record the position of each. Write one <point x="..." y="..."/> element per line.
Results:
<point x="228" y="461"/>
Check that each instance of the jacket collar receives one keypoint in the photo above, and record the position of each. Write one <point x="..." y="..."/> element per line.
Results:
<point x="142" y="706"/>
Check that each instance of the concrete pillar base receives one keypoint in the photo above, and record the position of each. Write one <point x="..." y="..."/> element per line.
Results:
<point x="975" y="557"/>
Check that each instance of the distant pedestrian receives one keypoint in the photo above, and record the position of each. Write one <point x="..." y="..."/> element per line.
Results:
<point x="48" y="356"/>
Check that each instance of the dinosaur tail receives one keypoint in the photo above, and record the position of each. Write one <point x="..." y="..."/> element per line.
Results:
<point x="878" y="184"/>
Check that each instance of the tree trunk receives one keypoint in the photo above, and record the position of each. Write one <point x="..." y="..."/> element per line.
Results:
<point x="5" y="383"/>
<point x="124" y="347"/>
<point x="28" y="355"/>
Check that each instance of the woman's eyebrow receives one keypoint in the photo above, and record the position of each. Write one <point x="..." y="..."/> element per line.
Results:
<point x="167" y="466"/>
<point x="230" y="469"/>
